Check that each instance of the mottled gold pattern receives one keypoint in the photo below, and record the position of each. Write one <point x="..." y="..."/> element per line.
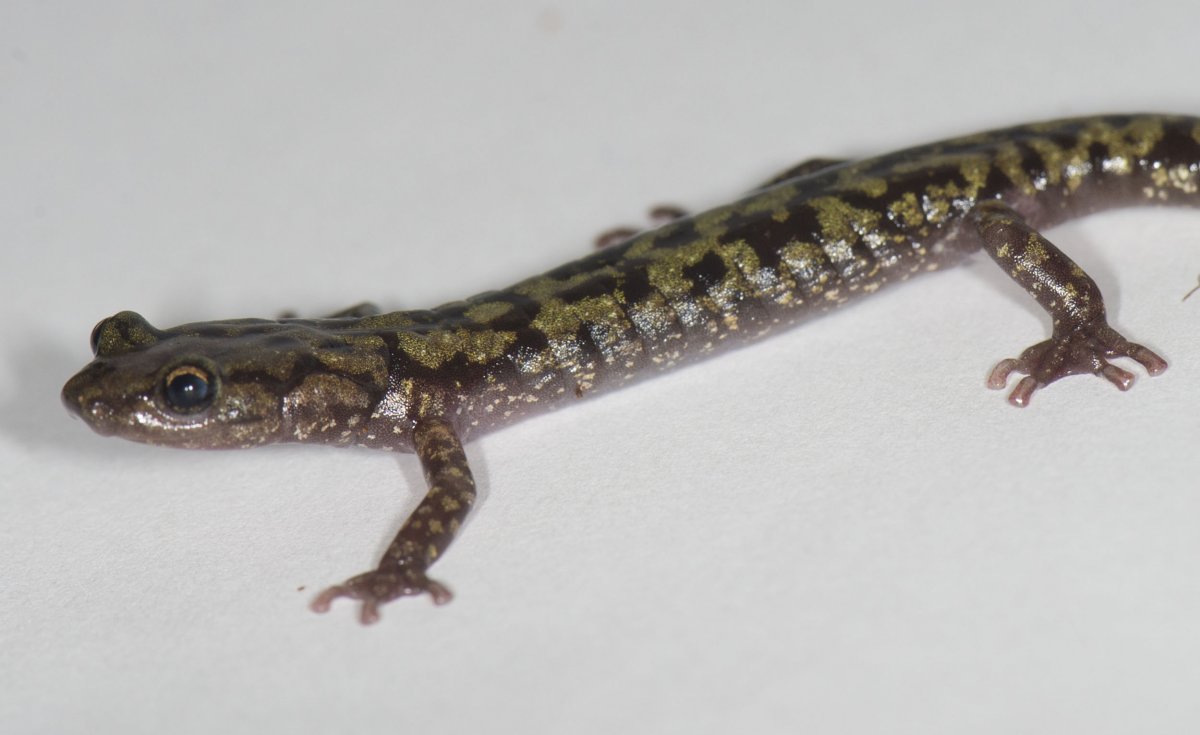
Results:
<point x="808" y="240"/>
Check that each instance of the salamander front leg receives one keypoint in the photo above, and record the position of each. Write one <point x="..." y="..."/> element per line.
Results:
<point x="425" y="535"/>
<point x="366" y="308"/>
<point x="1082" y="339"/>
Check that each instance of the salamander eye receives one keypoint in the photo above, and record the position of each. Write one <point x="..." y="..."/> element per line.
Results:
<point x="188" y="388"/>
<point x="95" y="339"/>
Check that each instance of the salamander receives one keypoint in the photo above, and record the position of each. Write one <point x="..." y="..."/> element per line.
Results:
<point x="808" y="241"/>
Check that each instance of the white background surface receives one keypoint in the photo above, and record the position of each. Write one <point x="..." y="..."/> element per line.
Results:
<point x="836" y="531"/>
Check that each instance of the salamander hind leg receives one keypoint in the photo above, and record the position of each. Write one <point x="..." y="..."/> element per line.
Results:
<point x="666" y="213"/>
<point x="659" y="216"/>
<point x="1082" y="340"/>
<point x="424" y="536"/>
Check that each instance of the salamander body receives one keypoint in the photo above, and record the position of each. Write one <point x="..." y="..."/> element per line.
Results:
<point x="808" y="241"/>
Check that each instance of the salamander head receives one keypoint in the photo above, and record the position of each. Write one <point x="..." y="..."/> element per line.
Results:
<point x="228" y="384"/>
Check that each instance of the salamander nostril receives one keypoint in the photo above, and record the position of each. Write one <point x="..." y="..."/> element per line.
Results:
<point x="70" y="395"/>
<point x="82" y="383"/>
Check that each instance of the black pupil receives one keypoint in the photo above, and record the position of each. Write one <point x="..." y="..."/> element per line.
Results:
<point x="188" y="390"/>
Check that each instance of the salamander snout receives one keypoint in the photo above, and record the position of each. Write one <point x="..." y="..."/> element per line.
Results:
<point x="80" y="397"/>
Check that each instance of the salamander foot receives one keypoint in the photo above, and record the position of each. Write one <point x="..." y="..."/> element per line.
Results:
<point x="1075" y="352"/>
<point x="379" y="586"/>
